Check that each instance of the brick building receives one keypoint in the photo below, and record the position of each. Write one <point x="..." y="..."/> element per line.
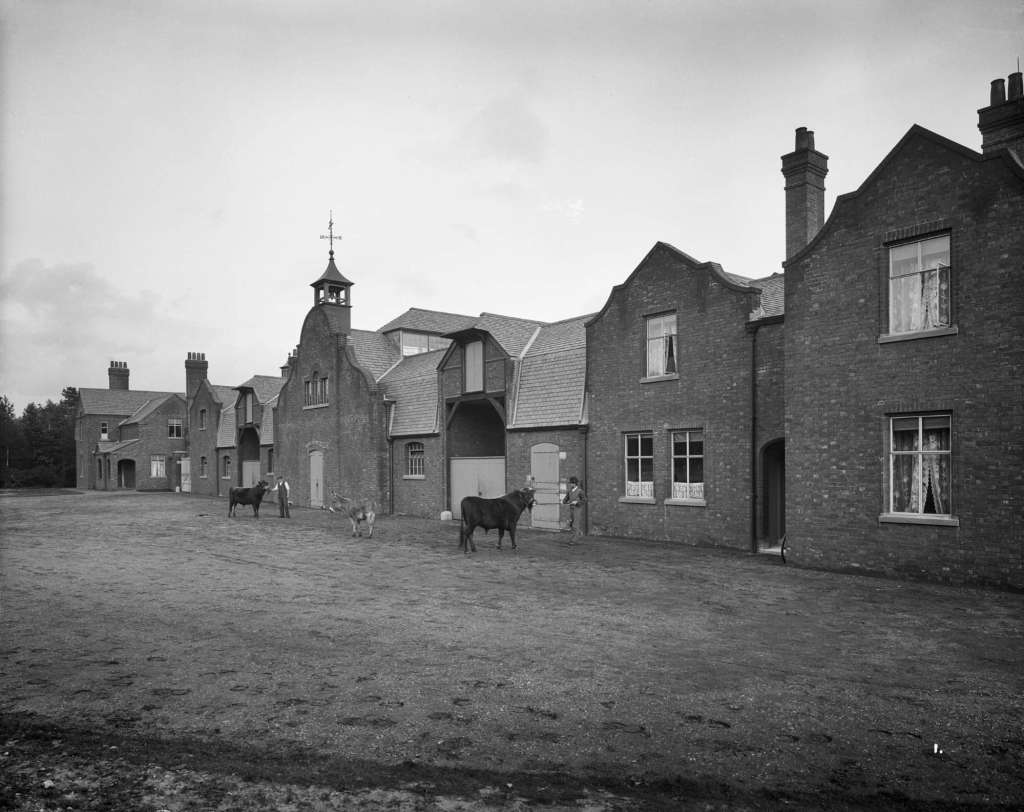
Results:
<point x="129" y="439"/>
<point x="904" y="353"/>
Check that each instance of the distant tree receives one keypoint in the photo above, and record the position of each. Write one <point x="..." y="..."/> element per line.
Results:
<point x="39" y="448"/>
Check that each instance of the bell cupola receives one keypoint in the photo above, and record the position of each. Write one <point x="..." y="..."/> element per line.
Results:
<point x="332" y="289"/>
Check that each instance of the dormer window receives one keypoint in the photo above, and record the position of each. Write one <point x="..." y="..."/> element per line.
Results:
<point x="413" y="343"/>
<point x="247" y="405"/>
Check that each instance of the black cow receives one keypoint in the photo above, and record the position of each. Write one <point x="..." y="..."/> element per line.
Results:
<point x="502" y="513"/>
<point x="247" y="496"/>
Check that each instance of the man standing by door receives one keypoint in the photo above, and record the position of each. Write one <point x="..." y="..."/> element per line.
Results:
<point x="574" y="498"/>
<point x="283" y="492"/>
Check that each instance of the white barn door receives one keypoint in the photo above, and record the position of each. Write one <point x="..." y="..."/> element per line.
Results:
<point x="544" y="469"/>
<point x="476" y="476"/>
<point x="250" y="473"/>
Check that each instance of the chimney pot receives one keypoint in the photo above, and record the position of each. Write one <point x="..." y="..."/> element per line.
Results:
<point x="804" y="138"/>
<point x="1016" y="86"/>
<point x="997" y="95"/>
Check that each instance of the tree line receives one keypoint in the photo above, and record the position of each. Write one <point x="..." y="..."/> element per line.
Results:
<point x="37" y="450"/>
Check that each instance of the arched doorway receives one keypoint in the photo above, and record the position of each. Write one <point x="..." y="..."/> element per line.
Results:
<point x="126" y="474"/>
<point x="249" y="454"/>
<point x="773" y="467"/>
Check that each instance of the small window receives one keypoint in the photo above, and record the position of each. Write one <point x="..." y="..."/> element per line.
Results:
<point x="919" y="280"/>
<point x="414" y="459"/>
<point x="475" y="366"/>
<point x="316" y="391"/>
<point x="661" y="345"/>
<point x="174" y="427"/>
<point x="226" y="467"/>
<point x="248" y="404"/>
<point x="919" y="465"/>
<point x="157" y="466"/>
<point x="640" y="465"/>
<point x="202" y="419"/>
<point x="104" y="430"/>
<point x="687" y="465"/>
<point x="203" y="468"/>
<point x="414" y="343"/>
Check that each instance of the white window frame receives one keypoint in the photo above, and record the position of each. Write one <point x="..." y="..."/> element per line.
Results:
<point x="415" y="461"/>
<point x="688" y="490"/>
<point x="640" y="489"/>
<point x="661" y="346"/>
<point x="175" y="428"/>
<point x="158" y="466"/>
<point x="226" y="467"/>
<point x="917" y="271"/>
<point x="944" y="498"/>
<point x="104" y="430"/>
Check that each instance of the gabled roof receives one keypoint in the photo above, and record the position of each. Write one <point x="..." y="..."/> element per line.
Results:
<point x="428" y="321"/>
<point x="266" y="387"/>
<point x="123" y="402"/>
<point x="412" y="385"/>
<point x="375" y="352"/>
<point x="552" y="376"/>
<point x="147" y="408"/>
<point x="513" y="334"/>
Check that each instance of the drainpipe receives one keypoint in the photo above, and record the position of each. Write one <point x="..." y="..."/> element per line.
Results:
<point x="753" y="436"/>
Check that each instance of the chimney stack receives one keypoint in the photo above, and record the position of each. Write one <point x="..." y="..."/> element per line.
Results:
<point x="804" y="170"/>
<point x="118" y="375"/>
<point x="1002" y="122"/>
<point x="196" y="368"/>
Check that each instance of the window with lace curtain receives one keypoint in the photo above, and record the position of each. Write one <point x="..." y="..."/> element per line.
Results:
<point x="919" y="285"/>
<point x="661" y="345"/>
<point x="639" y="459"/>
<point x="919" y="465"/>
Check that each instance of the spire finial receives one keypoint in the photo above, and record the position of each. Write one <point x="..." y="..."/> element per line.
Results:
<point x="330" y="233"/>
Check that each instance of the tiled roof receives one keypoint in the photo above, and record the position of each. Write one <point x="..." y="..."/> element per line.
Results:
<point x="266" y="387"/>
<point x="109" y="446"/>
<point x="412" y="385"/>
<point x="116" y="401"/>
<point x="226" y="429"/>
<point x="374" y="351"/>
<point x="227" y="395"/>
<point x="773" y="296"/>
<point x="146" y="409"/>
<point x="513" y="334"/>
<point x="552" y="376"/>
<point x="429" y="321"/>
<point x="331" y="274"/>
<point x="267" y="428"/>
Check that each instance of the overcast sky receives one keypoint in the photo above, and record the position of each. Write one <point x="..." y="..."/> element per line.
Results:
<point x="168" y="167"/>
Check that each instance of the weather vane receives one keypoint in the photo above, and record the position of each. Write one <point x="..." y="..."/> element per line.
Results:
<point x="330" y="232"/>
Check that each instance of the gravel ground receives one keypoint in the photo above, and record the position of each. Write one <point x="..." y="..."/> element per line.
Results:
<point x="158" y="655"/>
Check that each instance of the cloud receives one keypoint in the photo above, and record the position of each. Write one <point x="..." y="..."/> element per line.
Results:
<point x="63" y="323"/>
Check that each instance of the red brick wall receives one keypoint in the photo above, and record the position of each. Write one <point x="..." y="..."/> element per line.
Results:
<point x="842" y="383"/>
<point x="712" y="393"/>
<point x="419" y="496"/>
<point x="349" y="430"/>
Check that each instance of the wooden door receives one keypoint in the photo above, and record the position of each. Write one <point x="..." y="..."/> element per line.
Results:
<point x="544" y="464"/>
<point x="476" y="476"/>
<point x="316" y="479"/>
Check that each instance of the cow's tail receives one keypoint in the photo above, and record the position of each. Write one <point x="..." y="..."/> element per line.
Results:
<point x="462" y="528"/>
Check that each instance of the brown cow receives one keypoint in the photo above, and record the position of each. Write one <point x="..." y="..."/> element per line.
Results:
<point x="360" y="511"/>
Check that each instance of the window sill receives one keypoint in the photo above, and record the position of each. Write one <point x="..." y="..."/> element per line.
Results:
<point x="919" y="518"/>
<point x="638" y="500"/>
<point x="414" y="476"/>
<point x="687" y="502"/>
<point x="656" y="378"/>
<point x="890" y="338"/>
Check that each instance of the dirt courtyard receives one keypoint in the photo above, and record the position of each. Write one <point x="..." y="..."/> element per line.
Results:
<point x="157" y="655"/>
